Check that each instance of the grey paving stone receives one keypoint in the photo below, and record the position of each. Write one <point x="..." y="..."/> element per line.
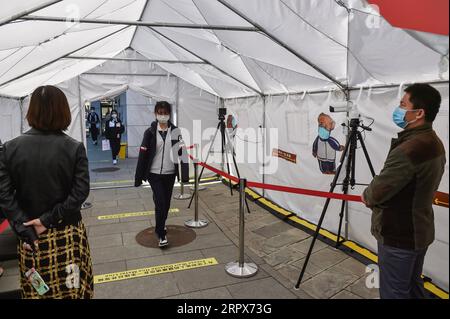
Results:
<point x="273" y="230"/>
<point x="208" y="277"/>
<point x="291" y="273"/>
<point x="10" y="267"/>
<point x="303" y="246"/>
<point x="118" y="228"/>
<point x="215" y="293"/>
<point x="158" y="286"/>
<point x="105" y="241"/>
<point x="9" y="283"/>
<point x="344" y="294"/>
<point x="360" y="289"/>
<point x="107" y="268"/>
<point x="282" y="240"/>
<point x="283" y="255"/>
<point x="202" y="242"/>
<point x="225" y="254"/>
<point x="328" y="283"/>
<point x="353" y="266"/>
<point x="119" y="253"/>
<point x="266" y="288"/>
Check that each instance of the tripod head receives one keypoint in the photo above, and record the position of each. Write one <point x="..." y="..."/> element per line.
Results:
<point x="221" y="112"/>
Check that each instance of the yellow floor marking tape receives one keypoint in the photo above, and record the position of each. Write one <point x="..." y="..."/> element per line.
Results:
<point x="136" y="214"/>
<point x="112" y="182"/>
<point x="155" y="270"/>
<point x="352" y="245"/>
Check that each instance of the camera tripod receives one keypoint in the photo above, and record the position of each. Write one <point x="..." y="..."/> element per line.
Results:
<point x="349" y="180"/>
<point x="224" y="137"/>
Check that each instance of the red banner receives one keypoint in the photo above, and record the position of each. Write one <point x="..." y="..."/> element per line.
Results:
<point x="419" y="15"/>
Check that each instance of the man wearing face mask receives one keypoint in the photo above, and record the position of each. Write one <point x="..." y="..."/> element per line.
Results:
<point x="93" y="121"/>
<point x="401" y="196"/>
<point x="113" y="132"/>
<point x="160" y="152"/>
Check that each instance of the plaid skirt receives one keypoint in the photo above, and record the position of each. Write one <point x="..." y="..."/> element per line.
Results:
<point x="64" y="263"/>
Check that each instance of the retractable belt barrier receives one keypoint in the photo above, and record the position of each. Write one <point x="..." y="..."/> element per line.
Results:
<point x="287" y="189"/>
<point x="3" y="226"/>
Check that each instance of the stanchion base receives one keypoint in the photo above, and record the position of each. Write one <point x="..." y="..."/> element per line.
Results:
<point x="196" y="223"/>
<point x="246" y="271"/>
<point x="182" y="196"/>
<point x="200" y="188"/>
<point x="86" y="205"/>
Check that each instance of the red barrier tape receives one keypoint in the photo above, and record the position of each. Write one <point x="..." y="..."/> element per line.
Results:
<point x="4" y="226"/>
<point x="294" y="190"/>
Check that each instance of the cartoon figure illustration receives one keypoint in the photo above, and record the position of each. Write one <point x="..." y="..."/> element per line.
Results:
<point x="325" y="146"/>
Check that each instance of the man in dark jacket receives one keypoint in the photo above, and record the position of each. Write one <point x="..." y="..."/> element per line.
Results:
<point x="93" y="121"/>
<point x="401" y="196"/>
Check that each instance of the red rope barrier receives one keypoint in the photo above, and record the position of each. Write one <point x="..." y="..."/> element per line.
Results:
<point x="3" y="226"/>
<point x="286" y="189"/>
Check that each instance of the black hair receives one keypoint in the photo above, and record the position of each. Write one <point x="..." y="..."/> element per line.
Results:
<point x="163" y="105"/>
<point x="424" y="96"/>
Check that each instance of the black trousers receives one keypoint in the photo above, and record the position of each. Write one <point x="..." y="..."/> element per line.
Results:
<point x="94" y="132"/>
<point x="400" y="273"/>
<point x="115" y="147"/>
<point x="162" y="187"/>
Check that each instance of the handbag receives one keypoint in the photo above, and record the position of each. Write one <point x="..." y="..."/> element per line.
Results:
<point x="105" y="145"/>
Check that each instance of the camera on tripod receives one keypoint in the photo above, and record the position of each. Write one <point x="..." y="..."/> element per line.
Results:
<point x="221" y="112"/>
<point x="346" y="107"/>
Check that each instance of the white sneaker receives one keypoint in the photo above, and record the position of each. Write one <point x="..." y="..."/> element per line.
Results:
<point x="163" y="242"/>
<point x="114" y="162"/>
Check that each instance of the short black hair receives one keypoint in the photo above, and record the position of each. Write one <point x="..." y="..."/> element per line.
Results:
<point x="163" y="105"/>
<point x="424" y="96"/>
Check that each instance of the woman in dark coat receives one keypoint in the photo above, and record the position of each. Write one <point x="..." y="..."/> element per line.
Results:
<point x="44" y="179"/>
<point x="113" y="132"/>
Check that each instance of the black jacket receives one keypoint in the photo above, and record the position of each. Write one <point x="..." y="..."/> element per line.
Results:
<point x="147" y="153"/>
<point x="112" y="132"/>
<point x="43" y="175"/>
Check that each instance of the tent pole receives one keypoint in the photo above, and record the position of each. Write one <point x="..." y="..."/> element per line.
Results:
<point x="61" y="57"/>
<point x="21" y="115"/>
<point x="125" y="74"/>
<point x="26" y="12"/>
<point x="207" y="62"/>
<point x="140" y="19"/>
<point x="178" y="101"/>
<point x="282" y="44"/>
<point x="146" y="24"/>
<point x="131" y="60"/>
<point x="264" y="130"/>
<point x="83" y="131"/>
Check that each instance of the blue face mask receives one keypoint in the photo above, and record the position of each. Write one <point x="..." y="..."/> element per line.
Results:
<point x="399" y="117"/>
<point x="324" y="134"/>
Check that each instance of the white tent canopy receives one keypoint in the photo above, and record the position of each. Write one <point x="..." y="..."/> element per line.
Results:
<point x="247" y="51"/>
<point x="273" y="63"/>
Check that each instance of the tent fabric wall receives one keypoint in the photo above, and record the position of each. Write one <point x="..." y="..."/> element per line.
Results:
<point x="10" y="118"/>
<point x="295" y="117"/>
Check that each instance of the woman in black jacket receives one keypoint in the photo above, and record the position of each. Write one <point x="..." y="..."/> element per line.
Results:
<point x="158" y="163"/>
<point x="44" y="179"/>
<point x="113" y="131"/>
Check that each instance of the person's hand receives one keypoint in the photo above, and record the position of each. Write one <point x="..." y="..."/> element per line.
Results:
<point x="363" y="200"/>
<point x="341" y="148"/>
<point x="38" y="227"/>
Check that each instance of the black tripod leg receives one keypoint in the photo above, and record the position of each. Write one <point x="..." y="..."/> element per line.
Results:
<point x="341" y="217"/>
<point x="322" y="216"/>
<point x="366" y="154"/>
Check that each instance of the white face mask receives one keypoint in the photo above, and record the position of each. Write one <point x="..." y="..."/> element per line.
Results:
<point x="114" y="116"/>
<point x="163" y="118"/>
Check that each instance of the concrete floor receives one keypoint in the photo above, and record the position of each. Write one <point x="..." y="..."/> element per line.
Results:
<point x="276" y="247"/>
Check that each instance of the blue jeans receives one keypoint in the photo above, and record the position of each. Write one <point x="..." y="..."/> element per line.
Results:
<point x="400" y="273"/>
